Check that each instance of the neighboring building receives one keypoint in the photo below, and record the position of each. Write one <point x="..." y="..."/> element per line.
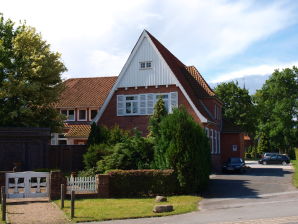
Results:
<point x="80" y="102"/>
<point x="152" y="71"/>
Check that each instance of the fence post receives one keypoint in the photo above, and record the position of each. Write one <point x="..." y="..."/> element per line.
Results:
<point x="72" y="208"/>
<point x="3" y="205"/>
<point x="62" y="195"/>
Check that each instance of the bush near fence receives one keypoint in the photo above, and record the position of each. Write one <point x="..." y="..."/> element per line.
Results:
<point x="141" y="183"/>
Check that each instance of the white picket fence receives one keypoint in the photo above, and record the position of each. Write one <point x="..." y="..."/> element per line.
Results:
<point x="81" y="185"/>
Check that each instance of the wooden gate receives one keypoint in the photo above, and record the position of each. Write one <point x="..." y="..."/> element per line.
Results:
<point x="27" y="184"/>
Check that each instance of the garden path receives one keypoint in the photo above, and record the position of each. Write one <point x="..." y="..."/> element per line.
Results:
<point x="34" y="210"/>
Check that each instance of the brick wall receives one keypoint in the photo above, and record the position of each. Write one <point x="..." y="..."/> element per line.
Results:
<point x="227" y="141"/>
<point x="103" y="185"/>
<point x="110" y="118"/>
<point x="56" y="179"/>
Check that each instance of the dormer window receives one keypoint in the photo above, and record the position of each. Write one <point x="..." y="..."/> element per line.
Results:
<point x="82" y="115"/>
<point x="145" y="64"/>
<point x="70" y="114"/>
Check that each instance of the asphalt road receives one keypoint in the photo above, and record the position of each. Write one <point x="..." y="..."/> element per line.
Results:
<point x="264" y="194"/>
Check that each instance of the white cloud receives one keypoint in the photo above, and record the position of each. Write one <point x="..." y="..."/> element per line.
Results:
<point x="255" y="70"/>
<point x="105" y="62"/>
<point x="94" y="35"/>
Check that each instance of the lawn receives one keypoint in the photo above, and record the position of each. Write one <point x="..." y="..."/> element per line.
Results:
<point x="107" y="209"/>
<point x="295" y="165"/>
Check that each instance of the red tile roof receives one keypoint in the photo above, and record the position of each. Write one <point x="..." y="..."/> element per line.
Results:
<point x="194" y="88"/>
<point x="85" y="92"/>
<point x="77" y="130"/>
<point x="198" y="77"/>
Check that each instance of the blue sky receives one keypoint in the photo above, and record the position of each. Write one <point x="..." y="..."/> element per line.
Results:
<point x="223" y="39"/>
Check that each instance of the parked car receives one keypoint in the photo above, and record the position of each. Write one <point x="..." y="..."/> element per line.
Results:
<point x="234" y="164"/>
<point x="269" y="154"/>
<point x="275" y="159"/>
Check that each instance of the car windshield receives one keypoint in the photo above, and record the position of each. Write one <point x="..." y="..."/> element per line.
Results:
<point x="236" y="160"/>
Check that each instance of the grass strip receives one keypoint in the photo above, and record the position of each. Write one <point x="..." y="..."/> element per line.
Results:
<point x="295" y="165"/>
<point x="124" y="208"/>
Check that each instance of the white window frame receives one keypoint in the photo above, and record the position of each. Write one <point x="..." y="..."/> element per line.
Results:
<point x="146" y="63"/>
<point x="90" y="114"/>
<point x="171" y="99"/>
<point x="86" y="115"/>
<point x="67" y="114"/>
<point x="64" y="138"/>
<point x="211" y="139"/>
<point x="132" y="101"/>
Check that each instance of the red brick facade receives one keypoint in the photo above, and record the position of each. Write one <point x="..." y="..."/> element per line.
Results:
<point x="110" y="118"/>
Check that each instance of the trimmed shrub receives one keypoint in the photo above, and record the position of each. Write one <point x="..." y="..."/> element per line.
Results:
<point x="142" y="183"/>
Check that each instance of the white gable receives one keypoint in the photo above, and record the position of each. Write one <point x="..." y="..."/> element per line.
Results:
<point x="158" y="74"/>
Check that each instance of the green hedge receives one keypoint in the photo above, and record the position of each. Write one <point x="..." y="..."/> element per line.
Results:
<point x="141" y="183"/>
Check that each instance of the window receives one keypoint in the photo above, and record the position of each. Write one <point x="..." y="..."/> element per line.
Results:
<point x="61" y="139"/>
<point x="145" y="64"/>
<point x="93" y="114"/>
<point x="82" y="115"/>
<point x="218" y="142"/>
<point x="217" y="112"/>
<point x="215" y="141"/>
<point x="211" y="140"/>
<point x="143" y="104"/>
<point x="70" y="114"/>
<point x="142" y="65"/>
<point x="131" y="104"/>
<point x="148" y="64"/>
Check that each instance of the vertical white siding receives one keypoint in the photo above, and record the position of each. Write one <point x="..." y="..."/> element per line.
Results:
<point x="159" y="74"/>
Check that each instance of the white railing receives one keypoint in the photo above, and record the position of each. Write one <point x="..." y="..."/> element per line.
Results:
<point x="81" y="185"/>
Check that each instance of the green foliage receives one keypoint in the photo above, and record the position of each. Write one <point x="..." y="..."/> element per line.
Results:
<point x="140" y="183"/>
<point x="237" y="106"/>
<point x="183" y="146"/>
<point x="159" y="113"/>
<point x="135" y="152"/>
<point x="98" y="134"/>
<point x="116" y="135"/>
<point x="95" y="153"/>
<point x="277" y="106"/>
<point x="263" y="144"/>
<point x="88" y="172"/>
<point x="30" y="78"/>
<point x="292" y="154"/>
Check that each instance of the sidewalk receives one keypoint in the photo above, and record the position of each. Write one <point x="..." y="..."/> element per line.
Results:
<point x="34" y="210"/>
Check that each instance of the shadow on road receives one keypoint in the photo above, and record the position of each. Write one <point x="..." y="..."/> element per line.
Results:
<point x="222" y="188"/>
<point x="248" y="184"/>
<point x="272" y="172"/>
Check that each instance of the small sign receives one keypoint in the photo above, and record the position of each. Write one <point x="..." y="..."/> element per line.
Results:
<point x="234" y="147"/>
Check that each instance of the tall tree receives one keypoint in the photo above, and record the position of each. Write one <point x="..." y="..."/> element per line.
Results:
<point x="183" y="146"/>
<point x="277" y="105"/>
<point x="238" y="106"/>
<point x="30" y="78"/>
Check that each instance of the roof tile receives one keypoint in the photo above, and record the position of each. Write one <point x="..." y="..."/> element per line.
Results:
<point x="85" y="92"/>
